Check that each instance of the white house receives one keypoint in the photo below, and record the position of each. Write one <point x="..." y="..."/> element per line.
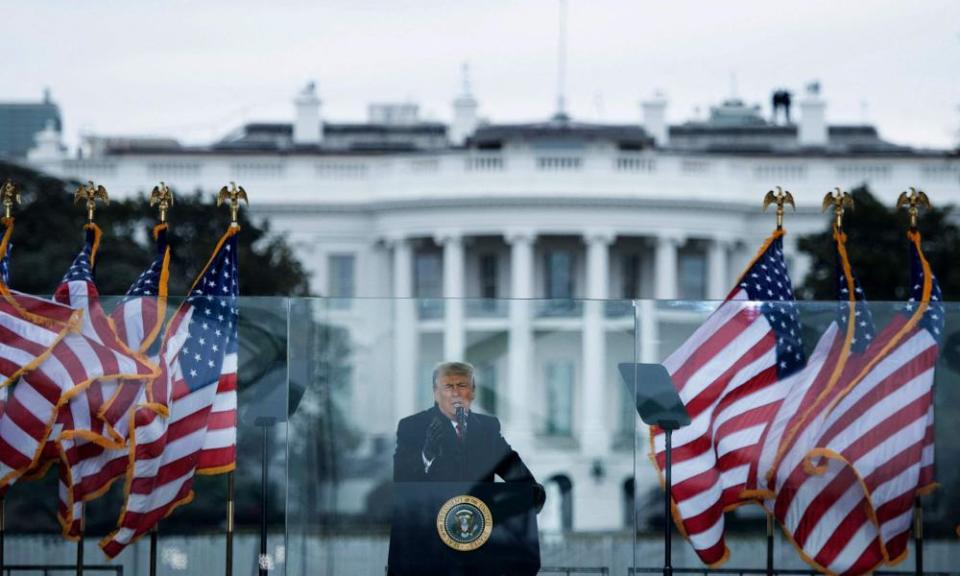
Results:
<point x="521" y="232"/>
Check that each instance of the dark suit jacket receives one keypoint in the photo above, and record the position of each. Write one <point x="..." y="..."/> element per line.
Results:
<point x="482" y="455"/>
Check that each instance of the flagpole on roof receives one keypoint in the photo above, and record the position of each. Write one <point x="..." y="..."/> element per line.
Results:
<point x="913" y="200"/>
<point x="10" y="195"/>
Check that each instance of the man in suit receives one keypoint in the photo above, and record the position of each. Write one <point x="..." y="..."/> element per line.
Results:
<point x="434" y="446"/>
<point x="447" y="445"/>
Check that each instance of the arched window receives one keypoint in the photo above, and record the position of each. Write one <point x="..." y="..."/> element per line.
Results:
<point x="557" y="514"/>
<point x="629" y="504"/>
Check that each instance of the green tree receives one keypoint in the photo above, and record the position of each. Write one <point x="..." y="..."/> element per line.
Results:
<point x="879" y="254"/>
<point x="878" y="250"/>
<point x="48" y="235"/>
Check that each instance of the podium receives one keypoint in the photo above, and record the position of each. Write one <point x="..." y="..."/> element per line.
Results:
<point x="463" y="529"/>
<point x="658" y="405"/>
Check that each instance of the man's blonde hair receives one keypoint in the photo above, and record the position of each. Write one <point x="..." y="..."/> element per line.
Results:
<point x="454" y="369"/>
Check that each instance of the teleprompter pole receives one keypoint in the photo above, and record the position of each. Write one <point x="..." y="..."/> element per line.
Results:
<point x="918" y="536"/>
<point x="668" y="517"/>
<point x="3" y="531"/>
<point x="153" y="550"/>
<point x="769" y="544"/>
<point x="266" y="425"/>
<point x="659" y="405"/>
<point x="83" y="528"/>
<point x="228" y="569"/>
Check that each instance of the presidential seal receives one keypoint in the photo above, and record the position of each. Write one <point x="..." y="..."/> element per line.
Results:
<point x="464" y="523"/>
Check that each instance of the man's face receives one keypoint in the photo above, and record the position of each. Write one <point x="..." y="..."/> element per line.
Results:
<point x="452" y="390"/>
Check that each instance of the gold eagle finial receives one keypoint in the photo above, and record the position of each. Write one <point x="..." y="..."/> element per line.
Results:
<point x="162" y="197"/>
<point x="10" y="195"/>
<point x="839" y="200"/>
<point x="90" y="193"/>
<point x="913" y="200"/>
<point x="235" y="194"/>
<point x="780" y="197"/>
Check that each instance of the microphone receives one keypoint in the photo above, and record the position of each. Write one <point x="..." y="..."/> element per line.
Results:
<point x="461" y="418"/>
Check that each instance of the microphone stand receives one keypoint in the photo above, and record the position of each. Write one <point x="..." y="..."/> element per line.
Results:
<point x="462" y="439"/>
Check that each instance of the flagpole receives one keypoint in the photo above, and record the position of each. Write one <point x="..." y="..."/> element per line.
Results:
<point x="264" y="468"/>
<point x="228" y="570"/>
<point x="9" y="195"/>
<point x="769" y="544"/>
<point x="913" y="201"/>
<point x="234" y="194"/>
<point x="162" y="197"/>
<point x="153" y="550"/>
<point x="83" y="527"/>
<point x="668" y="517"/>
<point x="780" y="198"/>
<point x="918" y="535"/>
<point x="3" y="531"/>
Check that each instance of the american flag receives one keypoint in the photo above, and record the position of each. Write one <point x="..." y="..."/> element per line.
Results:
<point x="5" y="265"/>
<point x="198" y="357"/>
<point x="794" y="429"/>
<point x="29" y="326"/>
<point x="841" y="345"/>
<point x="5" y="277"/>
<point x="847" y="502"/>
<point x="74" y="364"/>
<point x="95" y="465"/>
<point x="727" y="375"/>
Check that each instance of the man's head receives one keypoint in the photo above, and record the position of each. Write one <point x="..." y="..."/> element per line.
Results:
<point x="453" y="386"/>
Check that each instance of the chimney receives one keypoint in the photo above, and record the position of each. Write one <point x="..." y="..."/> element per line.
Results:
<point x="813" y="121"/>
<point x="307" y="128"/>
<point x="47" y="146"/>
<point x="655" y="119"/>
<point x="464" y="113"/>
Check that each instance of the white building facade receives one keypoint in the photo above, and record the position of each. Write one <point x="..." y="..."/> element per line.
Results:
<point x="503" y="242"/>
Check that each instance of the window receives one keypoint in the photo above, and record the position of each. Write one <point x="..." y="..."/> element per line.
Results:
<point x="559" y="421"/>
<point x="627" y="418"/>
<point x="486" y="378"/>
<point x="559" y="163"/>
<point x="559" y="270"/>
<point x="428" y="283"/>
<point x="631" y="277"/>
<point x="341" y="279"/>
<point x="488" y="276"/>
<point x="559" y="274"/>
<point x="692" y="276"/>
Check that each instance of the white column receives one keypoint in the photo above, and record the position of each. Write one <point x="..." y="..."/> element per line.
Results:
<point x="454" y="334"/>
<point x="799" y="264"/>
<point x="666" y="265"/>
<point x="649" y="331"/>
<point x="717" y="282"/>
<point x="595" y="433"/>
<point x="405" y="334"/>
<point x="520" y="380"/>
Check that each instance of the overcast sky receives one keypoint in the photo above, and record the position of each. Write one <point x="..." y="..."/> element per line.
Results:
<point x="195" y="70"/>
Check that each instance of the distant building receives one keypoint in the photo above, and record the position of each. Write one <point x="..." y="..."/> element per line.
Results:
<point x="546" y="213"/>
<point x="21" y="122"/>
